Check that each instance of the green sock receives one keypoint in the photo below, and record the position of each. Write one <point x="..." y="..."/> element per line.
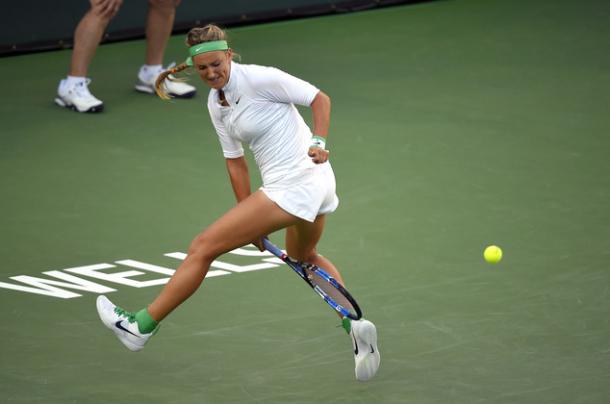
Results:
<point x="146" y="324"/>
<point x="347" y="324"/>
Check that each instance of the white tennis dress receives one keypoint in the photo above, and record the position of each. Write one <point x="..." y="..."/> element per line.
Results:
<point x="262" y="114"/>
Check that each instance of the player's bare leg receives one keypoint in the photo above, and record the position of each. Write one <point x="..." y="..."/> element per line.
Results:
<point x="252" y="218"/>
<point x="301" y="241"/>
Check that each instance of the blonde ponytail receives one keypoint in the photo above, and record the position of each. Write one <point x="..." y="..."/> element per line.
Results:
<point x="160" y="87"/>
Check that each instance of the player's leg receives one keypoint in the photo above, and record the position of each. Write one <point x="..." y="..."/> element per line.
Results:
<point x="254" y="217"/>
<point x="159" y="24"/>
<point x="301" y="241"/>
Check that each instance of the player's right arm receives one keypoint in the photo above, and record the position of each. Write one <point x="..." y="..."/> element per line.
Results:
<point x="233" y="153"/>
<point x="239" y="176"/>
<point x="240" y="180"/>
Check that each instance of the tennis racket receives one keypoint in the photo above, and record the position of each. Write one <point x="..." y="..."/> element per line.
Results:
<point x="335" y="295"/>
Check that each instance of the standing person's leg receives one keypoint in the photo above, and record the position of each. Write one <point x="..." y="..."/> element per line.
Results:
<point x="159" y="24"/>
<point x="89" y="33"/>
<point x="73" y="91"/>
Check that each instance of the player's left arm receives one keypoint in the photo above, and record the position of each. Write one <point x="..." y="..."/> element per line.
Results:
<point x="320" y="110"/>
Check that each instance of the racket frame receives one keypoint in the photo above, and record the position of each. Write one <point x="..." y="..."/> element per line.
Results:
<point x="300" y="269"/>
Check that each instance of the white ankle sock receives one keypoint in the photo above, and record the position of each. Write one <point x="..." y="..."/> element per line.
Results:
<point x="73" y="80"/>
<point x="149" y="72"/>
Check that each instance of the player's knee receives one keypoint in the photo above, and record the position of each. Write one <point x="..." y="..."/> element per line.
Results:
<point x="203" y="247"/>
<point x="197" y="245"/>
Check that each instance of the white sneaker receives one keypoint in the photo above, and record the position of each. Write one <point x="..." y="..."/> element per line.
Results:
<point x="77" y="97"/>
<point x="123" y="324"/>
<point x="366" y="352"/>
<point x="176" y="89"/>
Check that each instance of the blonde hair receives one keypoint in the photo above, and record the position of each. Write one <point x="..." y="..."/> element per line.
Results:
<point x="195" y="36"/>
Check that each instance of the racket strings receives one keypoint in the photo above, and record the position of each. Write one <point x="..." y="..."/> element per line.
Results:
<point x="327" y="288"/>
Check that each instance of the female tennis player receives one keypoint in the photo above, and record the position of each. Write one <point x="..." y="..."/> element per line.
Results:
<point x="255" y="105"/>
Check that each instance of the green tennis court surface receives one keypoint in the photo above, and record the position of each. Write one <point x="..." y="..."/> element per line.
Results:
<point x="456" y="124"/>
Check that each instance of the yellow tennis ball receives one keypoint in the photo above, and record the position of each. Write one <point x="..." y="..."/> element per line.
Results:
<point x="493" y="254"/>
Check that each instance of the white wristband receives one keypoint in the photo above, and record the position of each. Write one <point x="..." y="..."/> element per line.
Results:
<point x="318" y="141"/>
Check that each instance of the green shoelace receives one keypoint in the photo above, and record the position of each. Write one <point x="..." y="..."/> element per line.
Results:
<point x="131" y="317"/>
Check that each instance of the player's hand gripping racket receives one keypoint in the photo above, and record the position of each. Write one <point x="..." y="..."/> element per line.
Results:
<point x="325" y="285"/>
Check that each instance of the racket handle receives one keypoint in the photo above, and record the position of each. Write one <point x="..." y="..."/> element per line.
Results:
<point x="273" y="249"/>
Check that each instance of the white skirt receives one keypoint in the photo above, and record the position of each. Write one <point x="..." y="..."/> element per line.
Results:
<point x="308" y="195"/>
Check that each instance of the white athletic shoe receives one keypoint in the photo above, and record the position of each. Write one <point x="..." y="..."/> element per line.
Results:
<point x="77" y="97"/>
<point x="123" y="324"/>
<point x="366" y="352"/>
<point x="176" y="89"/>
